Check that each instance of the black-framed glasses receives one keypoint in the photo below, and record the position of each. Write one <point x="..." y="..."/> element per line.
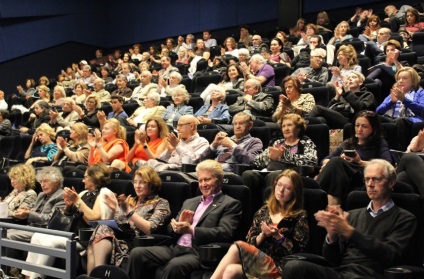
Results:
<point x="373" y="179"/>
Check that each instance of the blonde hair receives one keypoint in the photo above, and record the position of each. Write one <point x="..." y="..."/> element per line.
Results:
<point x="121" y="132"/>
<point x="214" y="167"/>
<point x="82" y="131"/>
<point x="45" y="128"/>
<point x="415" y="78"/>
<point x="25" y="174"/>
<point x="96" y="98"/>
<point x="350" y="52"/>
<point x="61" y="89"/>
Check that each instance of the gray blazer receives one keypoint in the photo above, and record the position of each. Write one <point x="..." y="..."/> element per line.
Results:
<point x="54" y="201"/>
<point x="217" y="224"/>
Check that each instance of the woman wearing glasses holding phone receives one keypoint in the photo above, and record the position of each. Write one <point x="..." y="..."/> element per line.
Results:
<point x="343" y="169"/>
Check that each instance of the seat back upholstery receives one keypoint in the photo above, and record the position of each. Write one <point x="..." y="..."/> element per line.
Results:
<point x="321" y="95"/>
<point x="319" y="134"/>
<point x="417" y="45"/>
<point x="177" y="176"/>
<point x="176" y="193"/>
<point x="410" y="202"/>
<point x="122" y="186"/>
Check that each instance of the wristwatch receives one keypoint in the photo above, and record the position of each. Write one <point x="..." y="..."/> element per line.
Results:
<point x="78" y="204"/>
<point x="145" y="146"/>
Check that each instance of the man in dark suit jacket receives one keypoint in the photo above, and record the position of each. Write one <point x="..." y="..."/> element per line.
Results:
<point x="51" y="197"/>
<point x="211" y="217"/>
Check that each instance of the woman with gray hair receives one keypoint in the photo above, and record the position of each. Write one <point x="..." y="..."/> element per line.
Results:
<point x="151" y="108"/>
<point x="38" y="117"/>
<point x="174" y="111"/>
<point x="66" y="118"/>
<point x="215" y="110"/>
<point x="167" y="87"/>
<point x="122" y="90"/>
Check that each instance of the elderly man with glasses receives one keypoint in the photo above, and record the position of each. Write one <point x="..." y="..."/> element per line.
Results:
<point x="361" y="243"/>
<point x="315" y="72"/>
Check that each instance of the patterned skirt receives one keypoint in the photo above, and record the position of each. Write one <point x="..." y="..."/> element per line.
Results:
<point x="255" y="263"/>
<point x="120" y="248"/>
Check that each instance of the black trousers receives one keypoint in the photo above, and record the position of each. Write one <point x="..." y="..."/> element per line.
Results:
<point x="333" y="119"/>
<point x="404" y="126"/>
<point x="297" y="269"/>
<point x="411" y="170"/>
<point x="177" y="261"/>
<point x="339" y="177"/>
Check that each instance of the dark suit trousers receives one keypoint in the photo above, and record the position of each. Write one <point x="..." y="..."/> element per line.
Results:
<point x="178" y="261"/>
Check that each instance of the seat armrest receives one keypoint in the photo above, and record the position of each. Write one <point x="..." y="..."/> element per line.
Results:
<point x="404" y="271"/>
<point x="151" y="240"/>
<point x="211" y="254"/>
<point x="188" y="167"/>
<point x="312" y="258"/>
<point x="240" y="168"/>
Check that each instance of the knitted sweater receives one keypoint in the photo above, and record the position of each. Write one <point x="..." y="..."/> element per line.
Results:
<point x="376" y="244"/>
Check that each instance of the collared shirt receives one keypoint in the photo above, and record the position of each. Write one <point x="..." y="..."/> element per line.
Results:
<point x="186" y="239"/>
<point x="192" y="147"/>
<point x="384" y="208"/>
<point x="225" y="155"/>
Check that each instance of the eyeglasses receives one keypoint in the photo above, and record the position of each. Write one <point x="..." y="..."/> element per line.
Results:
<point x="182" y="124"/>
<point x="90" y="102"/>
<point x="319" y="57"/>
<point x="373" y="179"/>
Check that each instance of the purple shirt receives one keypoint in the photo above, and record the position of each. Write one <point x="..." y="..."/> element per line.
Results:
<point x="268" y="72"/>
<point x="185" y="239"/>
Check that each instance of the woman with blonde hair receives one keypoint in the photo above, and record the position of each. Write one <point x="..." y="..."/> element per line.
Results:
<point x="22" y="178"/>
<point x="76" y="150"/>
<point x="43" y="81"/>
<point x="108" y="145"/>
<point x="150" y="143"/>
<point x="340" y="34"/>
<point x="279" y="228"/>
<point x="348" y="62"/>
<point x="58" y="96"/>
<point x="44" y="152"/>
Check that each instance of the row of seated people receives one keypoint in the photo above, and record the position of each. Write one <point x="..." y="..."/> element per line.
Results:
<point x="279" y="228"/>
<point x="156" y="146"/>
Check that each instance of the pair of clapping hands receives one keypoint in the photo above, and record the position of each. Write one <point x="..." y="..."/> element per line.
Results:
<point x="222" y="138"/>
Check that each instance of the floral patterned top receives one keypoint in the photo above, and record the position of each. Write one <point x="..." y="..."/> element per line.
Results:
<point x="154" y="209"/>
<point x="294" y="228"/>
<point x="17" y="199"/>
<point x="304" y="153"/>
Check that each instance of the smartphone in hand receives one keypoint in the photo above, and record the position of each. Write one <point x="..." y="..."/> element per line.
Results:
<point x="350" y="153"/>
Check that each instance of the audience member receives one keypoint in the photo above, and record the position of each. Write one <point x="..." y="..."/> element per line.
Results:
<point x="245" y="36"/>
<point x="91" y="205"/>
<point x="395" y="17"/>
<point x="276" y="55"/>
<point x="76" y="150"/>
<point x="145" y="214"/>
<point x="257" y="45"/>
<point x="122" y="90"/>
<point x="179" y="107"/>
<point x="292" y="150"/>
<point x="149" y="143"/>
<point x="195" y="225"/>
<point x="315" y="72"/>
<point x="23" y="196"/>
<point x="66" y="118"/>
<point x="207" y="38"/>
<point x="323" y="22"/>
<point x="374" y="48"/>
<point x="230" y="47"/>
<point x="92" y="106"/>
<point x="241" y="148"/>
<point x="146" y="86"/>
<point x="5" y="124"/>
<point x="151" y="108"/>
<point x="216" y="110"/>
<point x="79" y="94"/>
<point x="404" y="105"/>
<point x="351" y="97"/>
<point x="36" y="118"/>
<point x="59" y="96"/>
<point x="371" y="29"/>
<point x="167" y="69"/>
<point x="412" y="22"/>
<point x="117" y="112"/>
<point x="294" y="101"/>
<point x="187" y="146"/>
<point x="168" y="87"/>
<point x="46" y="150"/>
<point x="343" y="169"/>
<point x="253" y="102"/>
<point x="340" y="34"/>
<point x="99" y="90"/>
<point x="278" y="229"/>
<point x="363" y="242"/>
<point x="259" y="70"/>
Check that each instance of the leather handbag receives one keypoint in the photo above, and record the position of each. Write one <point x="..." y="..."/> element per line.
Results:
<point x="62" y="222"/>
